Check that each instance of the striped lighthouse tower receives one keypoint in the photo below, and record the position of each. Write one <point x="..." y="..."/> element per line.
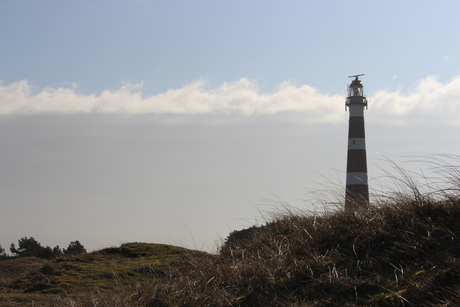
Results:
<point x="357" y="189"/>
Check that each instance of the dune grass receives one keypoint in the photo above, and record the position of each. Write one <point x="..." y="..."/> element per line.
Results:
<point x="60" y="282"/>
<point x="405" y="255"/>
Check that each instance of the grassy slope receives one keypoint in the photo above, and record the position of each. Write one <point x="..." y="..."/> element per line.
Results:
<point x="28" y="281"/>
<point x="402" y="254"/>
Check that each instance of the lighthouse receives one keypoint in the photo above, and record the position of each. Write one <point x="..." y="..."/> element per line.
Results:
<point x="357" y="189"/>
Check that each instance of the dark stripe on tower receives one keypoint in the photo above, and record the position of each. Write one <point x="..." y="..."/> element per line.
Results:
<point x="356" y="161"/>
<point x="356" y="127"/>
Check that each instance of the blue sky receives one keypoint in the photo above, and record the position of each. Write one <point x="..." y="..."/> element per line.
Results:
<point x="167" y="44"/>
<point x="177" y="121"/>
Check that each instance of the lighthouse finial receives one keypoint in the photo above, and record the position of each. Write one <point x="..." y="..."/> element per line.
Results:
<point x="355" y="76"/>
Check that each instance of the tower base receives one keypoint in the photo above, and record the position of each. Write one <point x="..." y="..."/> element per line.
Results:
<point x="356" y="197"/>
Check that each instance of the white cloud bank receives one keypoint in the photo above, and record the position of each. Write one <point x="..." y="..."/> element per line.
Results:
<point x="430" y="99"/>
<point x="242" y="96"/>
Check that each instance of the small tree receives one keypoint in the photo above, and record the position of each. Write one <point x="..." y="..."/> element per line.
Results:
<point x="2" y="252"/>
<point x="57" y="252"/>
<point x="74" y="248"/>
<point x="3" y="255"/>
<point x="27" y="247"/>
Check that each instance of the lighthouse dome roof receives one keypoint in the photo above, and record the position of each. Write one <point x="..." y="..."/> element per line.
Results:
<point x="356" y="83"/>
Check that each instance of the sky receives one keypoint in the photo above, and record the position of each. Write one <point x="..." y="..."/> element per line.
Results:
<point x="178" y="122"/>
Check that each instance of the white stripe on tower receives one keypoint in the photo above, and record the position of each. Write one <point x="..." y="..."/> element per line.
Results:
<point x="357" y="189"/>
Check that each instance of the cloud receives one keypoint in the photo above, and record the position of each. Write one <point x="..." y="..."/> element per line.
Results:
<point x="430" y="100"/>
<point x="242" y="97"/>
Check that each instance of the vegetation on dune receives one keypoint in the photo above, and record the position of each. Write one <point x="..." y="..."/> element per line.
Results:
<point x="3" y="255"/>
<point x="406" y="255"/>
<point x="29" y="247"/>
<point x="404" y="251"/>
<point x="64" y="280"/>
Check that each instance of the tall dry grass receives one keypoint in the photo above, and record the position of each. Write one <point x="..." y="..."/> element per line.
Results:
<point x="403" y="250"/>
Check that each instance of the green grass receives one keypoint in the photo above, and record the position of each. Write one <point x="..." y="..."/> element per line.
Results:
<point x="405" y="254"/>
<point x="27" y="281"/>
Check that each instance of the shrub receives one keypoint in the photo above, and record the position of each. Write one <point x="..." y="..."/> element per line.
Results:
<point x="74" y="248"/>
<point x="3" y="255"/>
<point x="29" y="247"/>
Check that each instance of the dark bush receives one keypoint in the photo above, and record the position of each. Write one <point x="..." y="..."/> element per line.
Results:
<point x="29" y="247"/>
<point x="74" y="248"/>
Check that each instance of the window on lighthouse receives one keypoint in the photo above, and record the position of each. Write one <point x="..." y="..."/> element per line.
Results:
<point x="356" y="91"/>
